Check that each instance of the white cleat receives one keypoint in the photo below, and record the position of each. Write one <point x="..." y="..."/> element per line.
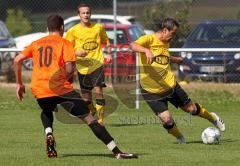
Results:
<point x="218" y="122"/>
<point x="181" y="140"/>
<point x="126" y="156"/>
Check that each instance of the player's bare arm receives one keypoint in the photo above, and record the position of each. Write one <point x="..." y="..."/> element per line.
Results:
<point x="18" y="73"/>
<point x="176" y="59"/>
<point x="109" y="53"/>
<point x="81" y="53"/>
<point x="138" y="48"/>
<point x="70" y="67"/>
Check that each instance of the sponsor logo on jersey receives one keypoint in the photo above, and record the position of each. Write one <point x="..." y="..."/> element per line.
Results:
<point x="161" y="59"/>
<point x="89" y="46"/>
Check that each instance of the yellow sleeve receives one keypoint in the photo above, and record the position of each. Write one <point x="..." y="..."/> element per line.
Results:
<point x="103" y="35"/>
<point x="143" y="41"/>
<point x="70" y="37"/>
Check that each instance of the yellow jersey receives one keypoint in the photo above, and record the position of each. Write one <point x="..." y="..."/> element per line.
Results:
<point x="156" y="77"/>
<point x="89" y="39"/>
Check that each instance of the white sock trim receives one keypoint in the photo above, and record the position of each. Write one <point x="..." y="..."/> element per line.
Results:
<point x="111" y="145"/>
<point x="48" y="130"/>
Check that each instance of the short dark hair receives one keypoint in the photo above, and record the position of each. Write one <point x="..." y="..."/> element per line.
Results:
<point x="83" y="5"/>
<point x="54" y="23"/>
<point x="168" y="23"/>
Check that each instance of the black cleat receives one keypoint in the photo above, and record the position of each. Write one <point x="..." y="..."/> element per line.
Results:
<point x="126" y="156"/>
<point x="50" y="146"/>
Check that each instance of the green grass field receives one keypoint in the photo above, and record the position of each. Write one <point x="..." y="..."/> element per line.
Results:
<point x="136" y="131"/>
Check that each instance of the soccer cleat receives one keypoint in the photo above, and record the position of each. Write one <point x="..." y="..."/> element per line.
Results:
<point x="50" y="146"/>
<point x="126" y="156"/>
<point x="218" y="122"/>
<point x="181" y="140"/>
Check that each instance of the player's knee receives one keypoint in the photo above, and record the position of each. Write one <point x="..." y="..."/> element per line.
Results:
<point x="196" y="109"/>
<point x="168" y="122"/>
<point x="101" y="101"/>
<point x="165" y="117"/>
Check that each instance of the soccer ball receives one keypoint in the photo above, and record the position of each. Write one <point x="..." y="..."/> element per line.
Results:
<point x="211" y="135"/>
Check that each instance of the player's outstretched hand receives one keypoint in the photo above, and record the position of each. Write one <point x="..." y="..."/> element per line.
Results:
<point x="81" y="53"/>
<point x="149" y="56"/>
<point x="20" y="91"/>
<point x="108" y="58"/>
<point x="176" y="59"/>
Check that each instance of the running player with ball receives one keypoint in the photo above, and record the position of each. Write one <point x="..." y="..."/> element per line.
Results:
<point x="158" y="83"/>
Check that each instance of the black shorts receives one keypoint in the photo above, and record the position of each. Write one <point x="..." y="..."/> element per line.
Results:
<point x="159" y="102"/>
<point x="71" y="102"/>
<point x="94" y="79"/>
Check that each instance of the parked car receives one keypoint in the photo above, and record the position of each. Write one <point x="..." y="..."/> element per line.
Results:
<point x="217" y="66"/>
<point x="25" y="40"/>
<point x="6" y="58"/>
<point x="125" y="59"/>
<point x="105" y="18"/>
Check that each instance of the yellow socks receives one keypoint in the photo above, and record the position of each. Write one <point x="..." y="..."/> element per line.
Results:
<point x="92" y="108"/>
<point x="205" y="114"/>
<point x="172" y="129"/>
<point x="100" y="111"/>
<point x="100" y="103"/>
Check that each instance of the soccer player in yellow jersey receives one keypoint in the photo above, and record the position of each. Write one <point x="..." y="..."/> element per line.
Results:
<point x="158" y="83"/>
<point x="87" y="38"/>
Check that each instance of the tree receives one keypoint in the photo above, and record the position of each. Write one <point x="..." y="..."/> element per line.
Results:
<point x="164" y="9"/>
<point x="17" y="23"/>
<point x="238" y="14"/>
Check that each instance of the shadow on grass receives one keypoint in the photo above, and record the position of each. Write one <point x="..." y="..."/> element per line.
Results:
<point x="228" y="140"/>
<point x="94" y="155"/>
<point x="123" y="125"/>
<point x="192" y="142"/>
<point x="88" y="155"/>
<point x="221" y="141"/>
<point x="130" y="124"/>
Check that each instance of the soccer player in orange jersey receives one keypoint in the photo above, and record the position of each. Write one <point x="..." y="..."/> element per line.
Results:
<point x="54" y="64"/>
<point x="87" y="38"/>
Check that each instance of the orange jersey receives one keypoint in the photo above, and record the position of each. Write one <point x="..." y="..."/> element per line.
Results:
<point x="49" y="56"/>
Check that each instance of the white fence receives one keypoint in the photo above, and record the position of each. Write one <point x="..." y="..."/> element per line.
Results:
<point x="226" y="66"/>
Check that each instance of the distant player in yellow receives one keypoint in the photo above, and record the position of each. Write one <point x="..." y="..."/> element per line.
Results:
<point x="158" y="83"/>
<point x="87" y="38"/>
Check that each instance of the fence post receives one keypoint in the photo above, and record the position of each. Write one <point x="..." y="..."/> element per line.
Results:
<point x="115" y="42"/>
<point x="137" y="81"/>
